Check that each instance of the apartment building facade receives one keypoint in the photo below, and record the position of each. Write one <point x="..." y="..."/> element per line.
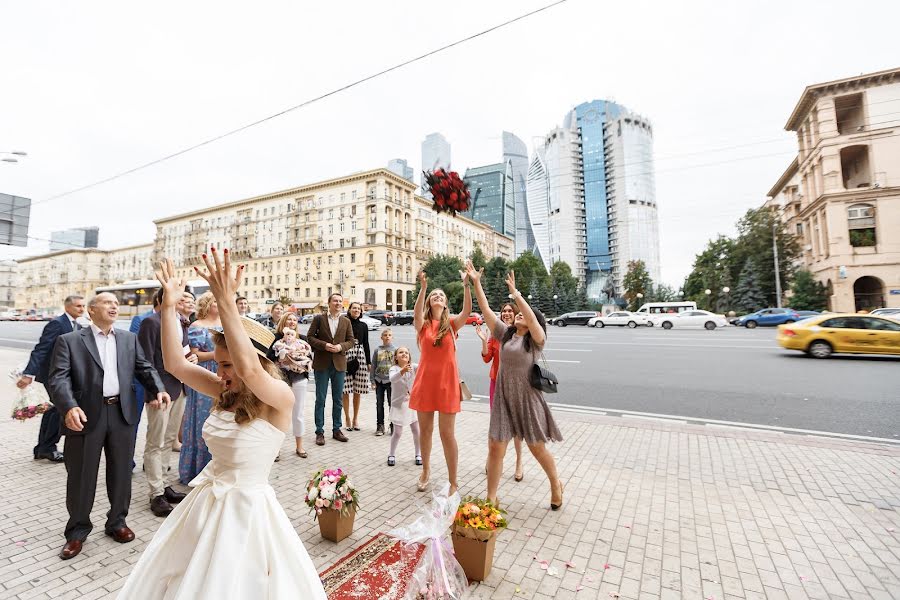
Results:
<point x="841" y="194"/>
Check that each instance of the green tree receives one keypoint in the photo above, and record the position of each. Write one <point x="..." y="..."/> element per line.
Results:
<point x="528" y="268"/>
<point x="714" y="268"/>
<point x="748" y="297"/>
<point x="755" y="232"/>
<point x="565" y="286"/>
<point x="286" y="300"/>
<point x="494" y="282"/>
<point x="443" y="272"/>
<point x="479" y="260"/>
<point x="636" y="281"/>
<point x="808" y="294"/>
<point x="663" y="293"/>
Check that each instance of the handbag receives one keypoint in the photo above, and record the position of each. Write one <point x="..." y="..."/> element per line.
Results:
<point x="542" y="378"/>
<point x="353" y="360"/>
<point x="464" y="392"/>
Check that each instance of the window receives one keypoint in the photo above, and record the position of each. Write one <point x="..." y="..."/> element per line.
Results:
<point x="861" y="225"/>
<point x="845" y="323"/>
<point x="880" y="324"/>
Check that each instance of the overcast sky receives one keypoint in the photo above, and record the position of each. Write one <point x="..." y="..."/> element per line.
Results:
<point x="90" y="89"/>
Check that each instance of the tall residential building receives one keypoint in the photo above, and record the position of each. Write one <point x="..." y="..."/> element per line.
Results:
<point x="493" y="197"/>
<point x="515" y="154"/>
<point x="365" y="235"/>
<point x="556" y="201"/>
<point x="79" y="237"/>
<point x="399" y="166"/>
<point x="44" y="281"/>
<point x="435" y="153"/>
<point x="632" y="217"/>
<point x="597" y="170"/>
<point x="841" y="194"/>
<point x="8" y="283"/>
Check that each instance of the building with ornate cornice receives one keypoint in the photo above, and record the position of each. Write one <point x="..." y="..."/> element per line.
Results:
<point x="841" y="194"/>
<point x="365" y="235"/>
<point x="44" y="281"/>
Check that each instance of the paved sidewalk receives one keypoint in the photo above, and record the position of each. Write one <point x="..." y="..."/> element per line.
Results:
<point x="652" y="510"/>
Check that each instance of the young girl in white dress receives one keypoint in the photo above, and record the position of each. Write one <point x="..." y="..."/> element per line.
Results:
<point x="402" y="376"/>
<point x="229" y="538"/>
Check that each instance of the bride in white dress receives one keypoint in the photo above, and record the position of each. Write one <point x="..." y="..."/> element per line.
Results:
<point x="229" y="538"/>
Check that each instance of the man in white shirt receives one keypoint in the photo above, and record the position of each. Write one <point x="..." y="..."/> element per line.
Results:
<point x="90" y="385"/>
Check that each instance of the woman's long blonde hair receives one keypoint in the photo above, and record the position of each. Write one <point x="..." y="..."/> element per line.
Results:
<point x="241" y="401"/>
<point x="282" y="322"/>
<point x="444" y="319"/>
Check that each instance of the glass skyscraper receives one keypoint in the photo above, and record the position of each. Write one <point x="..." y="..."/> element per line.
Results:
<point x="515" y="154"/>
<point x="493" y="195"/>
<point x="435" y="153"/>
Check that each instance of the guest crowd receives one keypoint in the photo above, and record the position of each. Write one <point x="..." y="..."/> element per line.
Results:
<point x="100" y="379"/>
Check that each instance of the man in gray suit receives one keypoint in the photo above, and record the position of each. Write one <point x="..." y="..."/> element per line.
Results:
<point x="90" y="385"/>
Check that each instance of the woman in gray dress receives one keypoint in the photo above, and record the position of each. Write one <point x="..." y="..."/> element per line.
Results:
<point x="520" y="410"/>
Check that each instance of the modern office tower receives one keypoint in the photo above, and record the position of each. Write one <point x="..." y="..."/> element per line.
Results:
<point x="515" y="153"/>
<point x="493" y="197"/>
<point x="79" y="237"/>
<point x="399" y="166"/>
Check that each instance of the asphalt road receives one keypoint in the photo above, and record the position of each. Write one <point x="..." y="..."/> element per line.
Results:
<point x="734" y="375"/>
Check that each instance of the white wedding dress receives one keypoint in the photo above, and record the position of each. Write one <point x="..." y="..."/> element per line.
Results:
<point x="229" y="538"/>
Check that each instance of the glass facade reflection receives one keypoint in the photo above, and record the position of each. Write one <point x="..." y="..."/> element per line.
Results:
<point x="492" y="189"/>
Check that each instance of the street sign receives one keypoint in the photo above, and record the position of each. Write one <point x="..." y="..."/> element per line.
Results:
<point x="270" y="302"/>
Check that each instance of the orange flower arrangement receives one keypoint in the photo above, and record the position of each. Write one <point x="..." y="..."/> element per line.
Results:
<point x="479" y="514"/>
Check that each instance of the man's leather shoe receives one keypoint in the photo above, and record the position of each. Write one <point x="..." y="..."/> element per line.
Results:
<point x="71" y="549"/>
<point x="339" y="436"/>
<point x="55" y="456"/>
<point x="320" y="439"/>
<point x="122" y="535"/>
<point x="173" y="497"/>
<point x="160" y="507"/>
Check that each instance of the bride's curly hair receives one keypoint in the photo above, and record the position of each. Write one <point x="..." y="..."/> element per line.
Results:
<point x="241" y="401"/>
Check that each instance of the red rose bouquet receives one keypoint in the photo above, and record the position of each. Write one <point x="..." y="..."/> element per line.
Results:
<point x="450" y="192"/>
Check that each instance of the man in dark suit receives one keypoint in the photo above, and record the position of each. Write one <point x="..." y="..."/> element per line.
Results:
<point x="162" y="425"/>
<point x="330" y="335"/>
<point x="38" y="369"/>
<point x="90" y="384"/>
<point x="135" y="326"/>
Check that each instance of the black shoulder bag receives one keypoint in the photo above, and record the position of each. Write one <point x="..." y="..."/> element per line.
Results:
<point x="542" y="378"/>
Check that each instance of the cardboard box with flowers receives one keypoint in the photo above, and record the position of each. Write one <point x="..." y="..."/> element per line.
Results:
<point x="334" y="500"/>
<point x="474" y="535"/>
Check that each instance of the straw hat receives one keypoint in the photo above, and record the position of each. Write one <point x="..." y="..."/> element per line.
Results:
<point x="260" y="335"/>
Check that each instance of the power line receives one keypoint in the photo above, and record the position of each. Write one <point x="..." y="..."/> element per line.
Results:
<point x="305" y="103"/>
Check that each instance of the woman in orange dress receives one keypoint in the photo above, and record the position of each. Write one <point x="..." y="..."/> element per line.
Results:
<point x="436" y="388"/>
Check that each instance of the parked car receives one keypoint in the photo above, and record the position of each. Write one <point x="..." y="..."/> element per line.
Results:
<point x="768" y="317"/>
<point x="386" y="317"/>
<point x="623" y="318"/>
<point x="573" y="318"/>
<point x="822" y="336"/>
<point x="692" y="318"/>
<point x="805" y="314"/>
<point x="404" y="317"/>
<point x="370" y="322"/>
<point x="307" y="318"/>
<point x="474" y="319"/>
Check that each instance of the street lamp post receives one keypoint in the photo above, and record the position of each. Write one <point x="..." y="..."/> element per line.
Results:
<point x="639" y="296"/>
<point x="11" y="158"/>
<point x="726" y="290"/>
<point x="555" y="308"/>
<point x="708" y="292"/>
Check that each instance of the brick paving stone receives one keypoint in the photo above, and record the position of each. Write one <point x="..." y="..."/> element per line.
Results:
<point x="677" y="511"/>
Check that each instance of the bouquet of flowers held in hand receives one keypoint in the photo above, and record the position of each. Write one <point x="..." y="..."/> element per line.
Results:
<point x="478" y="518"/>
<point x="330" y="489"/>
<point x="29" y="402"/>
<point x="450" y="192"/>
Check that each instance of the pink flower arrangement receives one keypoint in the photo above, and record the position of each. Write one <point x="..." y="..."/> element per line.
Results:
<point x="330" y="489"/>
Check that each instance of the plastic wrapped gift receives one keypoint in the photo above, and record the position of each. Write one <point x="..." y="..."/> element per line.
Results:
<point x="438" y="576"/>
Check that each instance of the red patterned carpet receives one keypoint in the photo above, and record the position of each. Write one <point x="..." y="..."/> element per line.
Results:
<point x="376" y="570"/>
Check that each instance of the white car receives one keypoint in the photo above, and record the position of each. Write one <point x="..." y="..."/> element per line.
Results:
<point x="623" y="318"/>
<point x="891" y="313"/>
<point x="691" y="318"/>
<point x="371" y="323"/>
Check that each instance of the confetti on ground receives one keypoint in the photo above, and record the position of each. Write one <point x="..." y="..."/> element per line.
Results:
<point x="570" y="565"/>
<point x="527" y="534"/>
<point x="545" y="565"/>
<point x="891" y="529"/>
<point x="606" y="566"/>
<point x="20" y="543"/>
<point x="578" y="588"/>
<point x="552" y="571"/>
<point x="803" y="578"/>
<point x="589" y="579"/>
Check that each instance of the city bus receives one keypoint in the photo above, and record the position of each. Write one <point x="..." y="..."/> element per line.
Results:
<point x="136" y="297"/>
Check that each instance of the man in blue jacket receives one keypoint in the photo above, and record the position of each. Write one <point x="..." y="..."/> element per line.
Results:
<point x="38" y="369"/>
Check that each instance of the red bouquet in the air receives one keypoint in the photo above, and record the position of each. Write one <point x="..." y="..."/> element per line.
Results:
<point x="450" y="192"/>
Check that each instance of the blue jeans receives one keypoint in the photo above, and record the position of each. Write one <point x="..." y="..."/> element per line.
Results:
<point x="337" y="406"/>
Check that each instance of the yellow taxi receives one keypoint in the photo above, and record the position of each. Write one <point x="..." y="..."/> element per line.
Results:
<point x="822" y="336"/>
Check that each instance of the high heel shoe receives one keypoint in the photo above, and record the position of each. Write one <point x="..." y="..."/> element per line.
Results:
<point x="558" y="505"/>
<point x="519" y="476"/>
<point x="422" y="485"/>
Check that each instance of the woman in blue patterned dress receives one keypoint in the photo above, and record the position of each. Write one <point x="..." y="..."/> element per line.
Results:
<point x="194" y="453"/>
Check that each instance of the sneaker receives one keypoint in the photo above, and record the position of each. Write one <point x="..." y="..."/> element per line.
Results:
<point x="391" y="461"/>
<point x="379" y="431"/>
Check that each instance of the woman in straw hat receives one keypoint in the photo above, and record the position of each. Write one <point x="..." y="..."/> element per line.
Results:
<point x="229" y="538"/>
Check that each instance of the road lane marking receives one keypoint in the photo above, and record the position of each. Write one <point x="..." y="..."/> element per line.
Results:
<point x="571" y="350"/>
<point x="720" y="423"/>
<point x="563" y="361"/>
